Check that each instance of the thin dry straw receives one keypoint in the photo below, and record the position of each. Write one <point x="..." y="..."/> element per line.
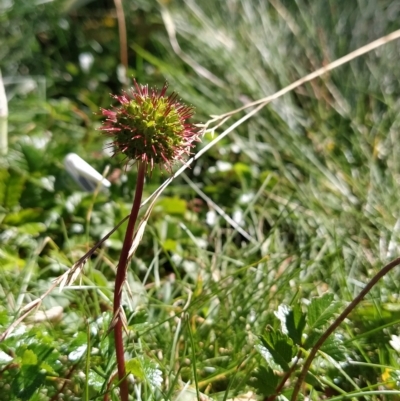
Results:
<point x="337" y="63"/>
<point x="219" y="210"/>
<point x="263" y="102"/>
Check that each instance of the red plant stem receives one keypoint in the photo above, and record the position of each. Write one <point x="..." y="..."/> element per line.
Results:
<point x="284" y="380"/>
<point x="120" y="279"/>
<point x="337" y="322"/>
<point x="66" y="380"/>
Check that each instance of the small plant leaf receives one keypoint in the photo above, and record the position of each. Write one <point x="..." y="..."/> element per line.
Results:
<point x="29" y="358"/>
<point x="333" y="346"/>
<point x="295" y="323"/>
<point x="264" y="381"/>
<point x="144" y="369"/>
<point x="13" y="190"/>
<point x="312" y="338"/>
<point x="23" y="216"/>
<point x="134" y="367"/>
<point x="29" y="381"/>
<point x="321" y="310"/>
<point x="280" y="346"/>
<point x="95" y="380"/>
<point x="33" y="229"/>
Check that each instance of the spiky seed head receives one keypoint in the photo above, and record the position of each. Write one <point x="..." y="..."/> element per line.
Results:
<point x="151" y="127"/>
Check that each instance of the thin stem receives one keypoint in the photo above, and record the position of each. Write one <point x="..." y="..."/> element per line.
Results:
<point x="285" y="379"/>
<point x="119" y="282"/>
<point x="122" y="33"/>
<point x="66" y="381"/>
<point x="337" y="322"/>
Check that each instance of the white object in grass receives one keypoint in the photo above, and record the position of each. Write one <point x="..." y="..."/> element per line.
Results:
<point x="395" y="342"/>
<point x="84" y="174"/>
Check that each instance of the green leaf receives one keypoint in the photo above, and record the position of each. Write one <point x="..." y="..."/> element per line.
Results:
<point x="13" y="190"/>
<point x="22" y="217"/>
<point x="134" y="367"/>
<point x="29" y="358"/>
<point x="10" y="261"/>
<point x="295" y="323"/>
<point x="49" y="369"/>
<point x="280" y="346"/>
<point x="264" y="381"/>
<point x="4" y="176"/>
<point x="77" y="353"/>
<point x="34" y="157"/>
<point x="95" y="380"/>
<point x="172" y="206"/>
<point x="321" y="310"/>
<point x="33" y="229"/>
<point x="98" y="278"/>
<point x="333" y="346"/>
<point x="29" y="381"/>
<point x="3" y="318"/>
<point x="312" y="338"/>
<point x="243" y="171"/>
<point x="169" y="245"/>
<point x="144" y="369"/>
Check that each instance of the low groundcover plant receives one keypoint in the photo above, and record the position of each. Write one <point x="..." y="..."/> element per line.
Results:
<point x="149" y="128"/>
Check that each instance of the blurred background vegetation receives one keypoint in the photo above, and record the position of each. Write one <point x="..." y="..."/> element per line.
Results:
<point x="313" y="179"/>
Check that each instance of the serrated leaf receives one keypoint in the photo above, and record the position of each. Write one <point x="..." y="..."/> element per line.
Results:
<point x="30" y="380"/>
<point x="14" y="188"/>
<point x="321" y="310"/>
<point x="49" y="369"/>
<point x="280" y="346"/>
<point x="145" y="370"/>
<point x="295" y="323"/>
<point x="95" y="380"/>
<point x="263" y="351"/>
<point x="312" y="338"/>
<point x="264" y="381"/>
<point x="29" y="358"/>
<point x="333" y="346"/>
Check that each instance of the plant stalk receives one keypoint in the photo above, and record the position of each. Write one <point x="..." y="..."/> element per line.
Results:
<point x="337" y="322"/>
<point x="120" y="279"/>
